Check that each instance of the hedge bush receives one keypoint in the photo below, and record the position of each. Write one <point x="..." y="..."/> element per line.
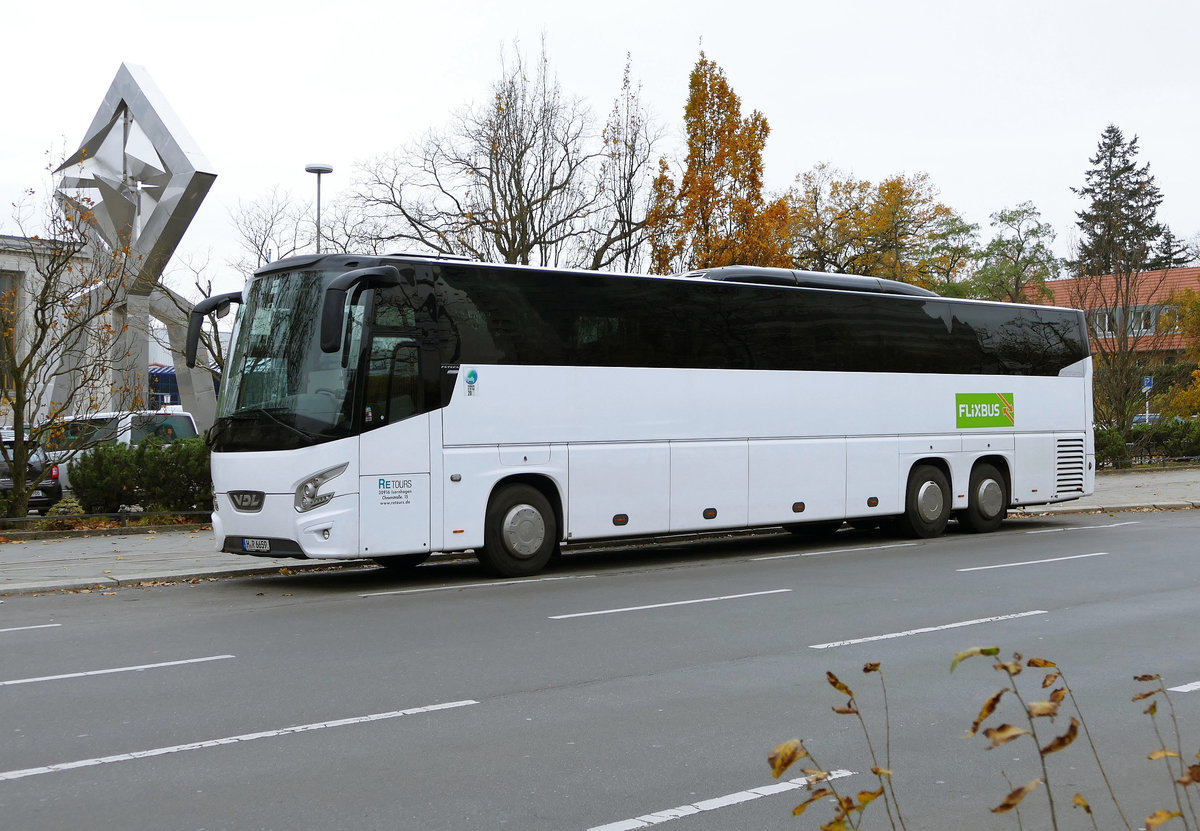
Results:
<point x="1111" y="449"/>
<point x="153" y="475"/>
<point x="104" y="478"/>
<point x="1169" y="439"/>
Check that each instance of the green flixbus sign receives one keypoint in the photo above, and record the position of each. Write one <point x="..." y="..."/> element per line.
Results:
<point x="984" y="409"/>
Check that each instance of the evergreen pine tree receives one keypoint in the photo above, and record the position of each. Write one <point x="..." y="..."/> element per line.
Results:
<point x="1120" y="241"/>
<point x="1119" y="227"/>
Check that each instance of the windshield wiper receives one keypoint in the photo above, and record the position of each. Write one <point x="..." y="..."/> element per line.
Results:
<point x="272" y="414"/>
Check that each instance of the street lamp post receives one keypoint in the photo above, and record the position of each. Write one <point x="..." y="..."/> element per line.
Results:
<point x="318" y="169"/>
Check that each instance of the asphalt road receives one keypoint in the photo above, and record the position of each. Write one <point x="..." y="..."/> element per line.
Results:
<point x="621" y="690"/>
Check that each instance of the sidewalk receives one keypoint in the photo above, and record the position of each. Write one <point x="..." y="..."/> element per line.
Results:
<point x="133" y="557"/>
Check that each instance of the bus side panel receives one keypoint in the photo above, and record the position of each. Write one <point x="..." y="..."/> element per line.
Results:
<point x="709" y="485"/>
<point x="394" y="515"/>
<point x="797" y="481"/>
<point x="976" y="446"/>
<point x="608" y="482"/>
<point x="1034" y="479"/>
<point x="874" y="482"/>
<point x="946" y="448"/>
<point x="394" y="487"/>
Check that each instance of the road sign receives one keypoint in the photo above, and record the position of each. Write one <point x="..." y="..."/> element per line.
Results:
<point x="1147" y="382"/>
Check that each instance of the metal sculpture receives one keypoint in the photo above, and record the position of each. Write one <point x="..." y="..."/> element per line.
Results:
<point x="143" y="178"/>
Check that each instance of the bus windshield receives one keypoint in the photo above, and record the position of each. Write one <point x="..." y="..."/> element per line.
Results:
<point x="278" y="387"/>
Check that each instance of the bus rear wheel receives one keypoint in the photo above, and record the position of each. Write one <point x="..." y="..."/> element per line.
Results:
<point x="987" y="500"/>
<point x="520" y="533"/>
<point x="926" y="503"/>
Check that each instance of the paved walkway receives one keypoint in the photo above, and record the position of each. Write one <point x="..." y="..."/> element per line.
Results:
<point x="92" y="561"/>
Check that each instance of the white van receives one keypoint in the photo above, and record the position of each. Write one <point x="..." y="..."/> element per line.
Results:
<point x="129" y="427"/>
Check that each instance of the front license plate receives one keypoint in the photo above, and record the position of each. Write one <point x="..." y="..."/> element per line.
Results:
<point x="250" y="544"/>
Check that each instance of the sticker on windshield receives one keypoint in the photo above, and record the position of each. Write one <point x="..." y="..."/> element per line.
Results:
<point x="985" y="409"/>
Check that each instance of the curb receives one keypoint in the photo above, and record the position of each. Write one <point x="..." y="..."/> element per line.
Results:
<point x="128" y="530"/>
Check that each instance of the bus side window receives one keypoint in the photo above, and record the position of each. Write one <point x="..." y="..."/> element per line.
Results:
<point x="393" y="390"/>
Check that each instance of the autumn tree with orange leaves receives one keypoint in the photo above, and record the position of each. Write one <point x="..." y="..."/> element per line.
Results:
<point x="897" y="229"/>
<point x="717" y="214"/>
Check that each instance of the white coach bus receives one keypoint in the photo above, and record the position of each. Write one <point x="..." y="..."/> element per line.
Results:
<point x="390" y="407"/>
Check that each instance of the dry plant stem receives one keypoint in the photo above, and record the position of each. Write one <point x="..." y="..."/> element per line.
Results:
<point x="887" y="755"/>
<point x="1167" y="760"/>
<point x="1037" y="743"/>
<point x="828" y="783"/>
<point x="875" y="764"/>
<point x="1095" y="753"/>
<point x="1179" y="749"/>
<point x="1017" y="810"/>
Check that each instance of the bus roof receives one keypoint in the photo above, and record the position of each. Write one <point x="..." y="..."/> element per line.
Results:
<point x="808" y="279"/>
<point x="753" y="275"/>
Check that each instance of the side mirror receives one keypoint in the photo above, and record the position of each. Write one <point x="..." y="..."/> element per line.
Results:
<point x="333" y="308"/>
<point x="220" y="305"/>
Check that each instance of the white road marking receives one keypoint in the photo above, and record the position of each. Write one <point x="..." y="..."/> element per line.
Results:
<point x="1084" y="527"/>
<point x="926" y="629"/>
<point x="1192" y="687"/>
<point x="836" y="551"/>
<point x="477" y="585"/>
<point x="666" y="605"/>
<point x="1036" y="562"/>
<point x="113" y="670"/>
<point x="246" y="737"/>
<point x="646" y="820"/>
<point x="25" y="628"/>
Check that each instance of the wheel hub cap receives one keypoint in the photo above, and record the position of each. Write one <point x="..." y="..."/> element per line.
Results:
<point x="989" y="498"/>
<point x="929" y="502"/>
<point x="523" y="530"/>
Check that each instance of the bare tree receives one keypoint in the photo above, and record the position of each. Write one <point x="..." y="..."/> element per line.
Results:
<point x="617" y="231"/>
<point x="524" y="178"/>
<point x="271" y="227"/>
<point x="1192" y="250"/>
<point x="58" y="333"/>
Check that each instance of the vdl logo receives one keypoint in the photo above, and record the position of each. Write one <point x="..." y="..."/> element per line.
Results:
<point x="472" y="378"/>
<point x="985" y="409"/>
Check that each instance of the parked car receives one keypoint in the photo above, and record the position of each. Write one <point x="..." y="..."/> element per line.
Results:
<point x="1152" y="418"/>
<point x="130" y="427"/>
<point x="41" y="470"/>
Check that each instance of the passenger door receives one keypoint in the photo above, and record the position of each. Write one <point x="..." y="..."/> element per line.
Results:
<point x="394" y="451"/>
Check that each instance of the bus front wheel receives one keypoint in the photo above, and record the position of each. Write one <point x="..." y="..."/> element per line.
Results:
<point x="520" y="533"/>
<point x="987" y="500"/>
<point x="927" y="502"/>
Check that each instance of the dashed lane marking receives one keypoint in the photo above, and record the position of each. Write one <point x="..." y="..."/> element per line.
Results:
<point x="926" y="629"/>
<point x="245" y="737"/>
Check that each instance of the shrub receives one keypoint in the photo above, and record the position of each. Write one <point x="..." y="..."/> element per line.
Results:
<point x="174" y="477"/>
<point x="104" y="478"/>
<point x="156" y="476"/>
<point x="67" y="506"/>
<point x="1111" y="448"/>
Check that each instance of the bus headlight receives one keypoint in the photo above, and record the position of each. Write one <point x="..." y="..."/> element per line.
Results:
<point x="309" y="496"/>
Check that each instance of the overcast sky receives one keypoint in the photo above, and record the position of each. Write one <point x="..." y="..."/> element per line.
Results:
<point x="999" y="102"/>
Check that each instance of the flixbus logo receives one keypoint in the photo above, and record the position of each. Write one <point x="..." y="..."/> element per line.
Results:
<point x="985" y="409"/>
